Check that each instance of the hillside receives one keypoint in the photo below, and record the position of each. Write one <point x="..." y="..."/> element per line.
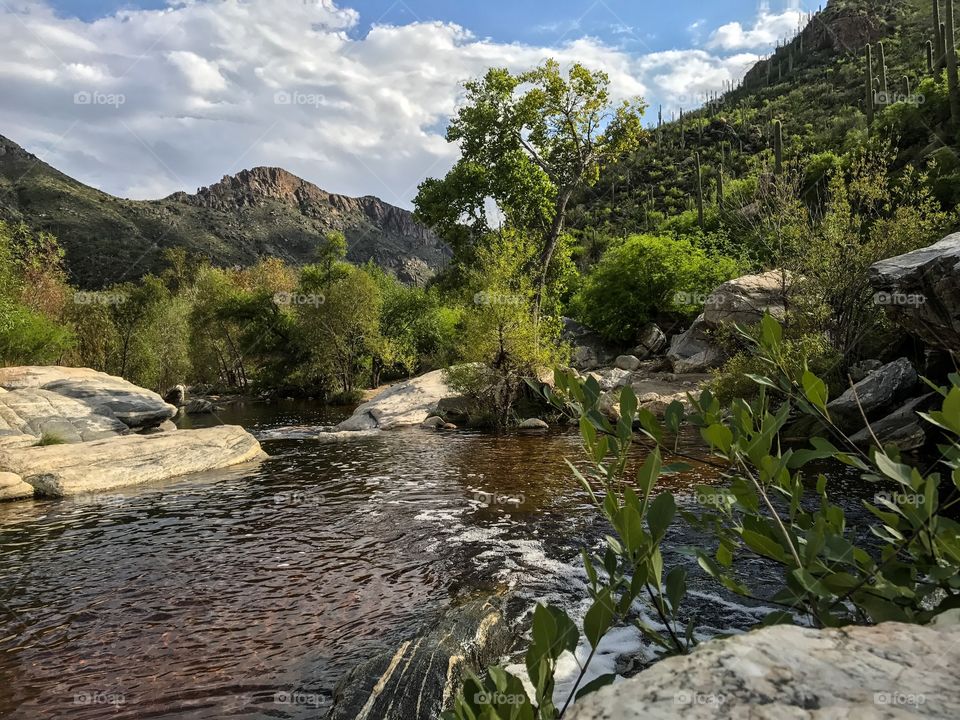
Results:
<point x="814" y="85"/>
<point x="262" y="212"/>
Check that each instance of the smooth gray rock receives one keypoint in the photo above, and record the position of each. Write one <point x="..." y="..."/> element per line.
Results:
<point x="590" y="350"/>
<point x="902" y="428"/>
<point x="921" y="292"/>
<point x="404" y="404"/>
<point x="41" y="412"/>
<point x="694" y="351"/>
<point x="432" y="423"/>
<point x="420" y="678"/>
<point x="533" y="425"/>
<point x="65" y="470"/>
<point x="199" y="406"/>
<point x="745" y="300"/>
<point x="880" y="391"/>
<point x="891" y="670"/>
<point x="627" y="362"/>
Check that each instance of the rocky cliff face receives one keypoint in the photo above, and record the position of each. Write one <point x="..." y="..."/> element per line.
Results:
<point x="257" y="213"/>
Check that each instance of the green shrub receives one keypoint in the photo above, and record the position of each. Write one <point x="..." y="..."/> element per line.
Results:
<point x="644" y="276"/>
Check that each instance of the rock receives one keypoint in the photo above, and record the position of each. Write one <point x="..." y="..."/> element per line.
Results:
<point x="589" y="348"/>
<point x="879" y="391"/>
<point x="419" y="679"/>
<point x="40" y="413"/>
<point x="12" y="487"/>
<point x="406" y="403"/>
<point x="651" y="341"/>
<point x="165" y="426"/>
<point x="533" y="425"/>
<point x="902" y="427"/>
<point x="862" y="369"/>
<point x="891" y="670"/>
<point x="432" y="423"/>
<point x="694" y="351"/>
<point x="627" y="362"/>
<point x="65" y="470"/>
<point x="921" y="292"/>
<point x="176" y="396"/>
<point x="448" y="426"/>
<point x="583" y="357"/>
<point x="611" y="378"/>
<point x="132" y="405"/>
<point x="200" y="406"/>
<point x="744" y="300"/>
<point x="609" y="405"/>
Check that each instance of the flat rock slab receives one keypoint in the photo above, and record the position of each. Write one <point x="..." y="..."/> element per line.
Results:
<point x="890" y="670"/>
<point x="404" y="404"/>
<point x="42" y="412"/>
<point x="135" y="406"/>
<point x="12" y="487"/>
<point x="65" y="470"/>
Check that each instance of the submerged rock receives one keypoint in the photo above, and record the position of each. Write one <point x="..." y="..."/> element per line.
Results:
<point x="891" y="670"/>
<point x="404" y="404"/>
<point x="419" y="679"/>
<point x="64" y="470"/>
<point x="533" y="425"/>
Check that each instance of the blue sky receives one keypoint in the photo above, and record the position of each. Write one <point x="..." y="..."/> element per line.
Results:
<point x="352" y="95"/>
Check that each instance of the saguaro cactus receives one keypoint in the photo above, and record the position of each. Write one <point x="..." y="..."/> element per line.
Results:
<point x="720" y="187"/>
<point x="868" y="85"/>
<point x="699" y="190"/>
<point x="882" y="59"/>
<point x="930" y="68"/>
<point x="953" y="84"/>
<point x="778" y="146"/>
<point x="936" y="30"/>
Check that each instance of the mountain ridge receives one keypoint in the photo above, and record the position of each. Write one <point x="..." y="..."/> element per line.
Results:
<point x="256" y="213"/>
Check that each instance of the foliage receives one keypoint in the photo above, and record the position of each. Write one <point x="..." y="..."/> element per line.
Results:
<point x="645" y="276"/>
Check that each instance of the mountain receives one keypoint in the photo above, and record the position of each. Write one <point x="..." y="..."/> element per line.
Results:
<point x="257" y="213"/>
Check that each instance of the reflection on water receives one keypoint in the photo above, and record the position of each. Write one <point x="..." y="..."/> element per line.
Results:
<point x="222" y="594"/>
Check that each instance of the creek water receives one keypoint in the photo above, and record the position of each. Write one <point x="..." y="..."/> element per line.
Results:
<point x="249" y="593"/>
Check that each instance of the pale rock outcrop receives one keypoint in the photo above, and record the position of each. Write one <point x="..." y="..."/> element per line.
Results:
<point x="42" y="412"/>
<point x="921" y="292"/>
<point x="12" y="487"/>
<point x="406" y="403"/>
<point x="785" y="672"/>
<point x="745" y="300"/>
<point x="65" y="470"/>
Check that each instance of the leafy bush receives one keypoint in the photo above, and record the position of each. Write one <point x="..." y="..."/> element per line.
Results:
<point x="642" y="277"/>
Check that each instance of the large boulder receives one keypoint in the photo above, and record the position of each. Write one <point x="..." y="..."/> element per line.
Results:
<point x="589" y="348"/>
<point x="404" y="404"/>
<point x="745" y="300"/>
<point x="891" y="670"/>
<point x="880" y="391"/>
<point x="694" y="351"/>
<point x="65" y="470"/>
<point x="921" y="291"/>
<point x="42" y="413"/>
<point x="902" y="428"/>
<point x="12" y="487"/>
<point x="136" y="407"/>
<point x="650" y="342"/>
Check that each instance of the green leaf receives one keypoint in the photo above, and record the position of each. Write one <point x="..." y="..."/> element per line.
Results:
<point x="718" y="436"/>
<point x="771" y="334"/>
<point x="628" y="403"/>
<point x="762" y="545"/>
<point x="815" y="391"/>
<point x="676" y="587"/>
<point x="661" y="515"/>
<point x="598" y="619"/>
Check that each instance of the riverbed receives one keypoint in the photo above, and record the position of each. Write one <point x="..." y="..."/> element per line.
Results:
<point x="249" y="593"/>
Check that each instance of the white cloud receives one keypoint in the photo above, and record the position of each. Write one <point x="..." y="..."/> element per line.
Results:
<point x="181" y="96"/>
<point x="768" y="28"/>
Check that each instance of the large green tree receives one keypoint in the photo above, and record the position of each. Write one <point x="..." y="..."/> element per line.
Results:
<point x="528" y="142"/>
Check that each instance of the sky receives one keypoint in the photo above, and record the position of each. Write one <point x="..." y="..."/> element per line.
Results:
<point x="143" y="98"/>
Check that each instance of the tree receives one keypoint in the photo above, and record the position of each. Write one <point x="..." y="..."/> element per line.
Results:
<point x="330" y="256"/>
<point x="529" y="142"/>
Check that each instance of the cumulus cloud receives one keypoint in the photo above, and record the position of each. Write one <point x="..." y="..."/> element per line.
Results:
<point x="147" y="102"/>
<point x="768" y="28"/>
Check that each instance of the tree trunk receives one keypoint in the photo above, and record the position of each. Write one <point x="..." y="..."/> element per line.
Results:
<point x="550" y="244"/>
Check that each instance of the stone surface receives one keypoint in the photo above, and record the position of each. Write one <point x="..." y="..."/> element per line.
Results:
<point x="533" y="425"/>
<point x="694" y="351"/>
<point x="881" y="390"/>
<point x="902" y="428"/>
<point x="64" y="470"/>
<point x="12" y="487"/>
<point x="651" y="341"/>
<point x="921" y="292"/>
<point x="420" y="678"/>
<point x="790" y="673"/>
<point x="744" y="300"/>
<point x="432" y="423"/>
<point x="199" y="406"/>
<point x="589" y="348"/>
<point x="37" y="413"/>
<point x="406" y="403"/>
<point x="36" y="376"/>
<point x="627" y="362"/>
<point x="176" y="396"/>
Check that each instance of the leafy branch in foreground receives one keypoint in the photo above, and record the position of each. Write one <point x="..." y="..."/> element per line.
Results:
<point x="909" y="570"/>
